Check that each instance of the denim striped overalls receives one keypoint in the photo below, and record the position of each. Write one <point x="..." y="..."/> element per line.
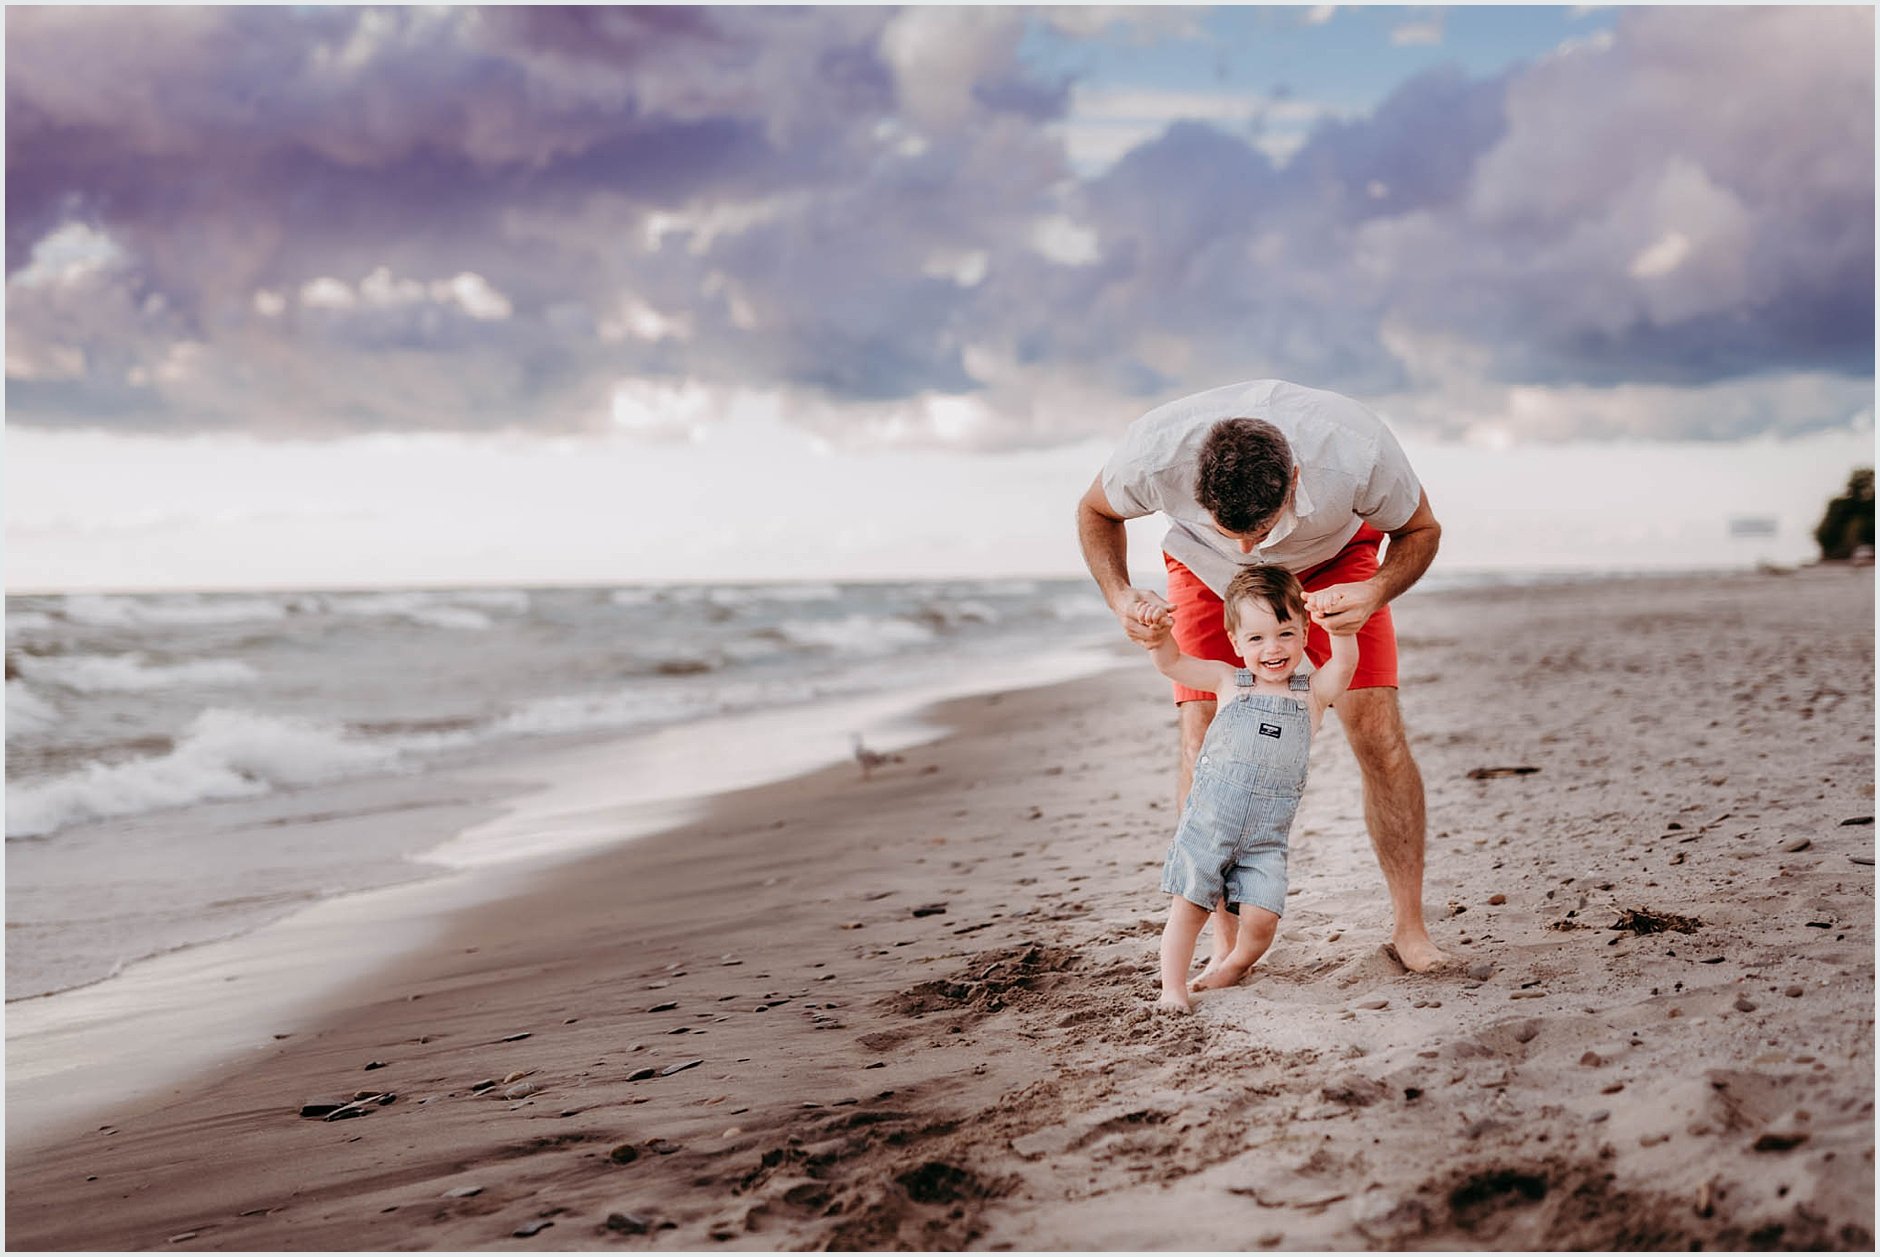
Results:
<point x="1231" y="840"/>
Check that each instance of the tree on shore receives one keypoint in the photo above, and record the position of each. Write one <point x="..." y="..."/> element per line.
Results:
<point x="1848" y="521"/>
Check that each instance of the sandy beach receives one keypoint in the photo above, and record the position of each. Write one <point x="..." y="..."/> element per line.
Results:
<point x="913" y="1010"/>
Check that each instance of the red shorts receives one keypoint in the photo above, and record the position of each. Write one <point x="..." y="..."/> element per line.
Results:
<point x="1201" y="632"/>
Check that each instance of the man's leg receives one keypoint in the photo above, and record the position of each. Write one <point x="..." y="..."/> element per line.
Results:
<point x="1393" y="812"/>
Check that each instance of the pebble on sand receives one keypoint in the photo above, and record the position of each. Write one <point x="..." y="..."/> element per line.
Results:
<point x="1496" y="900"/>
<point x="625" y="1154"/>
<point x="641" y="1075"/>
<point x="930" y="910"/>
<point x="320" y="1108"/>
<point x="460" y="1193"/>
<point x="530" y="1228"/>
<point x="682" y="1065"/>
<point x="516" y="1038"/>
<point x="628" y="1223"/>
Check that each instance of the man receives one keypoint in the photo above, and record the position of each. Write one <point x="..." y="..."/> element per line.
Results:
<point x="1270" y="472"/>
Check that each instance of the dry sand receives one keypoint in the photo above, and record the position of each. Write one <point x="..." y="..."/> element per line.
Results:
<point x="916" y="1007"/>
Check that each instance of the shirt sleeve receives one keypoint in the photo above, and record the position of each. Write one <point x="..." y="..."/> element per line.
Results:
<point x="1390" y="496"/>
<point x="1130" y="483"/>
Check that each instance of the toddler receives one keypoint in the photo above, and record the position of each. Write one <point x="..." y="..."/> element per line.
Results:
<point x="1230" y="842"/>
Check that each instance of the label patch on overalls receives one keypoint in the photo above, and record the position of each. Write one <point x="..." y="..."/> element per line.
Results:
<point x="1269" y="731"/>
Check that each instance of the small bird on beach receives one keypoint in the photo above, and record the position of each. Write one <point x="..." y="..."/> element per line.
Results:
<point x="870" y="760"/>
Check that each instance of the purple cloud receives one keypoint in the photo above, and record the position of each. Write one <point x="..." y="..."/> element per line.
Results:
<point x="344" y="219"/>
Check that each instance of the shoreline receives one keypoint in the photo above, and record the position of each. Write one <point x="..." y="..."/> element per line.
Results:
<point x="206" y="1003"/>
<point x="919" y="1002"/>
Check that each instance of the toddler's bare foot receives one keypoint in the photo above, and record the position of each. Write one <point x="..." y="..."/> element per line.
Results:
<point x="1228" y="974"/>
<point x="1174" y="1002"/>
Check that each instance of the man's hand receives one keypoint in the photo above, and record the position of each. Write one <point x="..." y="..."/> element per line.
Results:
<point x="1145" y="616"/>
<point x="1342" y="609"/>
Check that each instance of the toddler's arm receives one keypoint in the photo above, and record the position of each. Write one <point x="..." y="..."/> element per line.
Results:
<point x="1196" y="674"/>
<point x="1332" y="680"/>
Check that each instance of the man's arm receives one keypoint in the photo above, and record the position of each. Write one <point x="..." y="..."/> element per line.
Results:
<point x="1412" y="549"/>
<point x="1105" y="544"/>
<point x="1345" y="608"/>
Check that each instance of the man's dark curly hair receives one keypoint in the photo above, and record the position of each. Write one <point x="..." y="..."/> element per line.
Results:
<point x="1244" y="472"/>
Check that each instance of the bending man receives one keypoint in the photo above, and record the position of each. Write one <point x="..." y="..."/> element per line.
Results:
<point x="1270" y="472"/>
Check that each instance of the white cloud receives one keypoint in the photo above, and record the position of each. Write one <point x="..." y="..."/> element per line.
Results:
<point x="1105" y="123"/>
<point x="636" y="318"/>
<point x="327" y="293"/>
<point x="1412" y="34"/>
<point x="1064" y="240"/>
<point x="967" y="268"/>
<point x="474" y="295"/>
<point x="383" y="290"/>
<point x="1665" y="255"/>
<point x="68" y="254"/>
<point x="940" y="54"/>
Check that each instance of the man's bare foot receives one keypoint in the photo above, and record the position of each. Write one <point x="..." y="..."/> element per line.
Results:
<point x="1225" y="975"/>
<point x="1174" y="1002"/>
<point x="1417" y="953"/>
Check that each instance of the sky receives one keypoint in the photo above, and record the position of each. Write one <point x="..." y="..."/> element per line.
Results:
<point x="316" y="296"/>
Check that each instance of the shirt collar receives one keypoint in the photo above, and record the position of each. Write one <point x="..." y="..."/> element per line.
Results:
<point x="1289" y="518"/>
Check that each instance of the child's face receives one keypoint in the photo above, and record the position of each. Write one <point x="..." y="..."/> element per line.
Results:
<point x="1270" y="646"/>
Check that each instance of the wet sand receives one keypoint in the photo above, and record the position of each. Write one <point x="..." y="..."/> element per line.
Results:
<point x="912" y="1010"/>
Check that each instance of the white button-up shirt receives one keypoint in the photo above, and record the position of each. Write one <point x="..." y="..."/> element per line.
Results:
<point x="1352" y="471"/>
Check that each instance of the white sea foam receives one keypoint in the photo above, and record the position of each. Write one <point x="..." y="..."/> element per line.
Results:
<point x="449" y="618"/>
<point x="29" y="622"/>
<point x="1079" y="606"/>
<point x="580" y="713"/>
<point x="96" y="674"/>
<point x="430" y="610"/>
<point x="28" y="715"/>
<point x="862" y="634"/>
<point x="516" y="600"/>
<point x="122" y="610"/>
<point x="950" y="613"/>
<point x="753" y="596"/>
<point x="224" y="754"/>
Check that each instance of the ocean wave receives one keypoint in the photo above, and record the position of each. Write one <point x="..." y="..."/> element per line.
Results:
<point x="223" y="754"/>
<point x="861" y="634"/>
<point x="947" y="614"/>
<point x="757" y="595"/>
<point x="29" y="622"/>
<point x="581" y="713"/>
<point x="1079" y="606"/>
<point x="516" y="600"/>
<point x="129" y="610"/>
<point x="95" y="674"/>
<point x="28" y="715"/>
<point x="428" y="609"/>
